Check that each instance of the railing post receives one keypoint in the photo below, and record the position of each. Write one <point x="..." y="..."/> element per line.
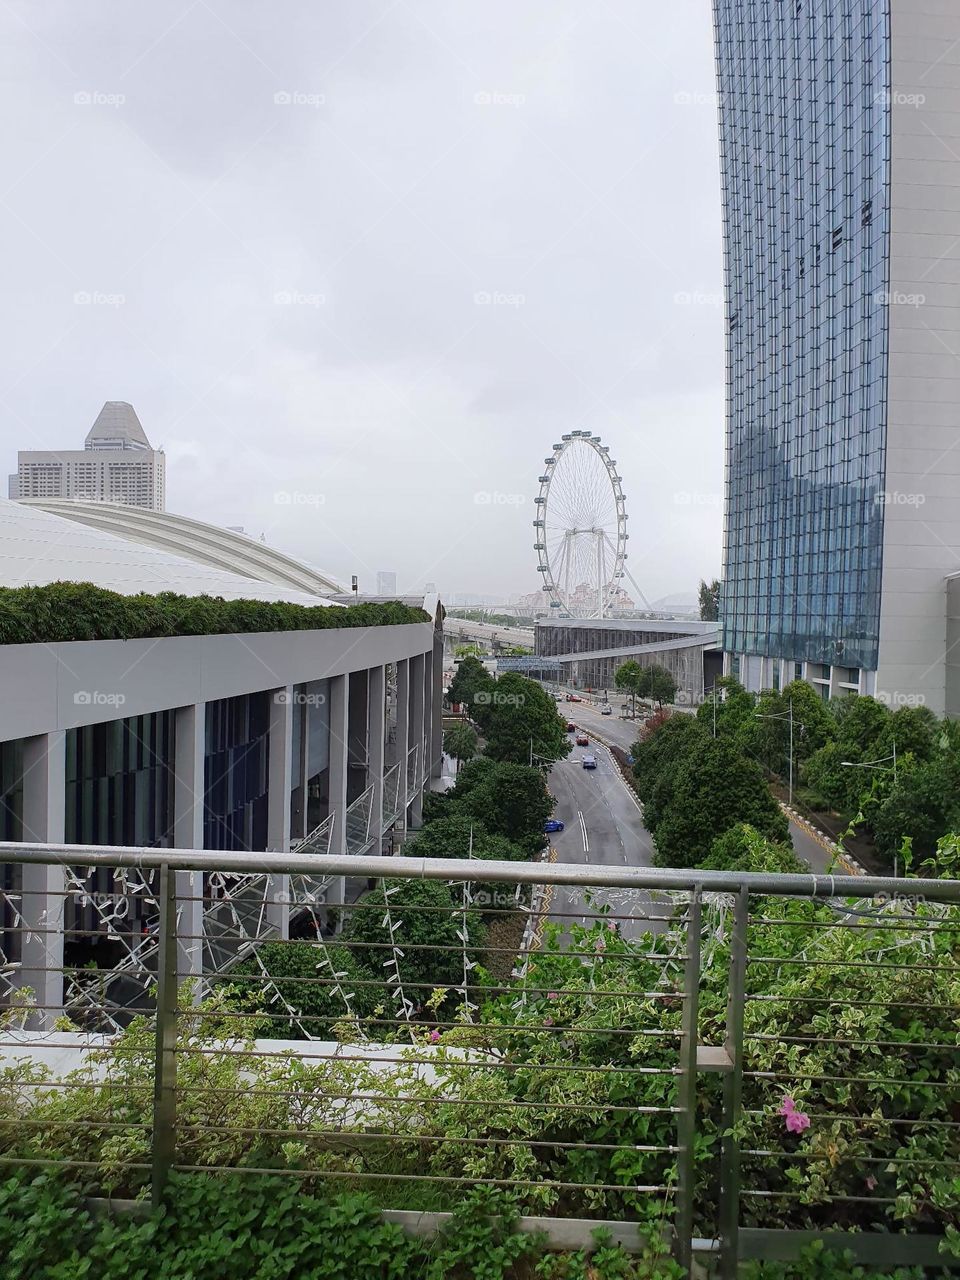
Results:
<point x="729" y="1213"/>
<point x="687" y="1091"/>
<point x="165" y="1048"/>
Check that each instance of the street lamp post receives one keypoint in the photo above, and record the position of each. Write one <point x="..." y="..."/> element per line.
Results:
<point x="762" y="715"/>
<point x="881" y="764"/>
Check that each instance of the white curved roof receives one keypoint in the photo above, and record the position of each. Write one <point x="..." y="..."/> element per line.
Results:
<point x="37" y="547"/>
<point x="194" y="540"/>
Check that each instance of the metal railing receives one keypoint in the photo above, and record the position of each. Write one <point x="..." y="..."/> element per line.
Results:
<point x="739" y="1062"/>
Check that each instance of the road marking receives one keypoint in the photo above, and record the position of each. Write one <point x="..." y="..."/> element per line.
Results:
<point x="583" y="832"/>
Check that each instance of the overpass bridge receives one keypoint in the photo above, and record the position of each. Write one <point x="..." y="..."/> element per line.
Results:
<point x="462" y="630"/>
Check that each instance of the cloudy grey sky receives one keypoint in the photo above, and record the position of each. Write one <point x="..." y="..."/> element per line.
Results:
<point x="285" y="214"/>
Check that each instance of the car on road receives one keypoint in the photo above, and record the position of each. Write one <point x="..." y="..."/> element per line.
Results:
<point x="582" y="740"/>
<point x="589" y="762"/>
<point x="571" y="728"/>
<point x="606" y="710"/>
<point x="573" y="697"/>
<point x="551" y="825"/>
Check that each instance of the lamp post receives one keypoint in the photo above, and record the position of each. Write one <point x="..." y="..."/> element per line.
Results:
<point x="881" y="764"/>
<point x="763" y="715"/>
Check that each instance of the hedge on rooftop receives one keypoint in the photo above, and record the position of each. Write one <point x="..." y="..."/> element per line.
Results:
<point x="82" y="611"/>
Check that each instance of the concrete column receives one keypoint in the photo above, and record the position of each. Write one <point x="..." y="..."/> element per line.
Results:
<point x="279" y="777"/>
<point x="403" y="737"/>
<point x="436" y="708"/>
<point x="337" y="777"/>
<point x="189" y="737"/>
<point x="42" y="903"/>
<point x="376" y="735"/>
<point x="417" y="738"/>
<point x="298" y="819"/>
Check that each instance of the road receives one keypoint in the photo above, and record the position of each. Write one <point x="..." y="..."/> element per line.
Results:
<point x="603" y="826"/>
<point x="816" y="853"/>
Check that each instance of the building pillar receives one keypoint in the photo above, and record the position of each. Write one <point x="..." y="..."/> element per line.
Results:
<point x="417" y="684"/>
<point x="376" y="737"/>
<point x="43" y="886"/>
<point x="279" y="777"/>
<point x="436" y="708"/>
<point x="301" y="737"/>
<point x="337" y="777"/>
<point x="189" y="741"/>
<point x="403" y="738"/>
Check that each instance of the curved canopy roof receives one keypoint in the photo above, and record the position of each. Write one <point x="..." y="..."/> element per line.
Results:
<point x="206" y="544"/>
<point x="37" y="547"/>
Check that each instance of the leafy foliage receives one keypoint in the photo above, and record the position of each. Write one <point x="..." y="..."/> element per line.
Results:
<point x="470" y="678"/>
<point x="461" y="742"/>
<point x="519" y="717"/>
<point x="81" y="611"/>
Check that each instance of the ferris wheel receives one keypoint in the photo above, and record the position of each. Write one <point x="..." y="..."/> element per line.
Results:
<point x="581" y="527"/>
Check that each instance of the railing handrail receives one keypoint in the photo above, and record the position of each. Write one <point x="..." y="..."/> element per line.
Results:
<point x="485" y="871"/>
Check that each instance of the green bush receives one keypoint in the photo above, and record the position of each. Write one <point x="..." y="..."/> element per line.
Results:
<point x="339" y="988"/>
<point x="80" y="611"/>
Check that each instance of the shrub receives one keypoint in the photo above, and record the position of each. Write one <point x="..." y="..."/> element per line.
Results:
<point x="64" y="611"/>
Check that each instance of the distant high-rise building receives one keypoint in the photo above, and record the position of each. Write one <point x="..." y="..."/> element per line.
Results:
<point x="841" y="193"/>
<point x="386" y="583"/>
<point x="116" y="464"/>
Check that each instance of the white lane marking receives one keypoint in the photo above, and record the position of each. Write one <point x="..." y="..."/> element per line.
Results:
<point x="583" y="832"/>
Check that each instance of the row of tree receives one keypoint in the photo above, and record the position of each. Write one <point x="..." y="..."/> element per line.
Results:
<point x="895" y="773"/>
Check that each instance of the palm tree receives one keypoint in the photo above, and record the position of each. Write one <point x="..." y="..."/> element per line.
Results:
<point x="461" y="742"/>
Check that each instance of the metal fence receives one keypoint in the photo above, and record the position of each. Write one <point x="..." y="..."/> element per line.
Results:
<point x="735" y="1063"/>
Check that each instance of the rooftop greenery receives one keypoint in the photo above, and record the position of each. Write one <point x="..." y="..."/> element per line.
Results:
<point x="81" y="611"/>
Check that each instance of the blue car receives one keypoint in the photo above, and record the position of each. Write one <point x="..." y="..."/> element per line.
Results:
<point x="551" y="825"/>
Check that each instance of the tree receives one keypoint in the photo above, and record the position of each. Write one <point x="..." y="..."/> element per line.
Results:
<point x="511" y="800"/>
<point x="922" y="805"/>
<point x="743" y="848"/>
<point x="632" y="678"/>
<point x="715" y="788"/>
<point x="313" y="1007"/>
<point x="728" y="707"/>
<point x="471" y="678"/>
<point x="709" y="600"/>
<point x="461" y="742"/>
<point x="657" y="758"/>
<point x="660" y="685"/>
<point x="426" y="928"/>
<point x="518" y="719"/>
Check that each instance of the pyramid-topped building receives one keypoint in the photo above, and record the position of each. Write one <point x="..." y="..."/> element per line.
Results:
<point x="117" y="465"/>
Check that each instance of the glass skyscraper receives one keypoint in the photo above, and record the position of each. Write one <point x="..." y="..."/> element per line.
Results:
<point x="832" y="232"/>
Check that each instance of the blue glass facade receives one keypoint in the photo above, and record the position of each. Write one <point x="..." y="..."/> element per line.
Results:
<point x="805" y="149"/>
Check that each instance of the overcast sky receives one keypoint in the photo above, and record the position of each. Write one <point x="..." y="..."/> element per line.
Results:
<point x="359" y="263"/>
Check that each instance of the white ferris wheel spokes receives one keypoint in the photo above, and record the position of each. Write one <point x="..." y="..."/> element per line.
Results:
<point x="581" y="527"/>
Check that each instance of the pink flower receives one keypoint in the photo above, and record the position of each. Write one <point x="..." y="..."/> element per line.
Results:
<point x="797" y="1121"/>
<point x="434" y="1036"/>
<point x="611" y="926"/>
<point x="787" y="1106"/>
<point x="600" y="945"/>
<point x="871" y="1182"/>
<point x="548" y="1022"/>
<point x="553" y="995"/>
